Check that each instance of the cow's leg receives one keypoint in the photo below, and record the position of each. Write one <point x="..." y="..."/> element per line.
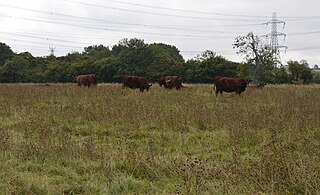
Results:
<point x="217" y="91"/>
<point x="238" y="91"/>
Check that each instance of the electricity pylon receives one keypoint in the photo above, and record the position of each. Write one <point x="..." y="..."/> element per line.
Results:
<point x="273" y="35"/>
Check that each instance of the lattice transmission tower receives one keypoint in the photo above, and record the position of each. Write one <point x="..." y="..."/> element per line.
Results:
<point x="52" y="50"/>
<point x="272" y="38"/>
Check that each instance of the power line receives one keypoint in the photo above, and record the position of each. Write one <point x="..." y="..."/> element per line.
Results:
<point x="126" y="23"/>
<point x="304" y="33"/>
<point x="305" y="48"/>
<point x="40" y="43"/>
<point x="49" y="34"/>
<point x="111" y="29"/>
<point x="159" y="14"/>
<point x="44" y="38"/>
<point x="184" y="10"/>
<point x="192" y="11"/>
<point x="122" y="23"/>
<point x="95" y="20"/>
<point x="32" y="47"/>
<point x="302" y="18"/>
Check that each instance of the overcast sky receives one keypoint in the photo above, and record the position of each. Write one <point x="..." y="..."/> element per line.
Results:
<point x="193" y="26"/>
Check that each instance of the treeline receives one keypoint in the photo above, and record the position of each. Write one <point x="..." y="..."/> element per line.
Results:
<point x="135" y="57"/>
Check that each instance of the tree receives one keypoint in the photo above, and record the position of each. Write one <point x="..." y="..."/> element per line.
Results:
<point x="5" y="53"/>
<point x="299" y="72"/>
<point x="245" y="70"/>
<point x="161" y="60"/>
<point x="260" y="57"/>
<point x="109" y="69"/>
<point x="97" y="51"/>
<point x="132" y="56"/>
<point x="281" y="75"/>
<point x="57" y="72"/>
<point x="15" y="70"/>
<point x="206" y="66"/>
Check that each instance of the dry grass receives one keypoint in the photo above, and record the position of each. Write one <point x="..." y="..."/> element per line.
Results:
<point x="62" y="139"/>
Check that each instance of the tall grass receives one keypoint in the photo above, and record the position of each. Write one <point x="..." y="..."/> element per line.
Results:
<point x="63" y="139"/>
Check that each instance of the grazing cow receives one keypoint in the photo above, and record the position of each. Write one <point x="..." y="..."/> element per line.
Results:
<point x="170" y="82"/>
<point x="134" y="82"/>
<point x="260" y="85"/>
<point x="86" y="80"/>
<point x="229" y="84"/>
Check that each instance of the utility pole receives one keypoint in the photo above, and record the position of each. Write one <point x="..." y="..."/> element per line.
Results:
<point x="273" y="35"/>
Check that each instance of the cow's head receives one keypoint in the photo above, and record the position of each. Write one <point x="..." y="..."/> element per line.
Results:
<point x="248" y="81"/>
<point x="74" y="79"/>
<point x="148" y="86"/>
<point x="216" y="78"/>
<point x="161" y="82"/>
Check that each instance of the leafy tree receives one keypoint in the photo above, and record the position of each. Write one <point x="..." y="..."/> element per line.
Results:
<point x="162" y="59"/>
<point x="76" y="63"/>
<point x="316" y="78"/>
<point x="109" y="69"/>
<point x="280" y="75"/>
<point x="191" y="73"/>
<point x="299" y="72"/>
<point x="208" y="65"/>
<point x="245" y="70"/>
<point x="97" y="51"/>
<point x="15" y="70"/>
<point x="132" y="56"/>
<point x="57" y="72"/>
<point x="71" y="57"/>
<point x="5" y="53"/>
<point x="37" y="67"/>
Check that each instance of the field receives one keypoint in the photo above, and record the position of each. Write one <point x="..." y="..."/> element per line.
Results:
<point x="63" y="139"/>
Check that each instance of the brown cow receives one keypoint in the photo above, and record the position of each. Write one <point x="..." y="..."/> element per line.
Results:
<point x="170" y="82"/>
<point x="86" y="80"/>
<point x="230" y="84"/>
<point x="134" y="82"/>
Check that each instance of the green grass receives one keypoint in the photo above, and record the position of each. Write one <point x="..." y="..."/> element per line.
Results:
<point x="64" y="139"/>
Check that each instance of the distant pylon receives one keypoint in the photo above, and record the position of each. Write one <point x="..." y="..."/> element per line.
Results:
<point x="51" y="50"/>
<point x="273" y="35"/>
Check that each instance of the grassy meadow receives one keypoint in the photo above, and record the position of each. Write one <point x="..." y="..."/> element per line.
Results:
<point x="63" y="139"/>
